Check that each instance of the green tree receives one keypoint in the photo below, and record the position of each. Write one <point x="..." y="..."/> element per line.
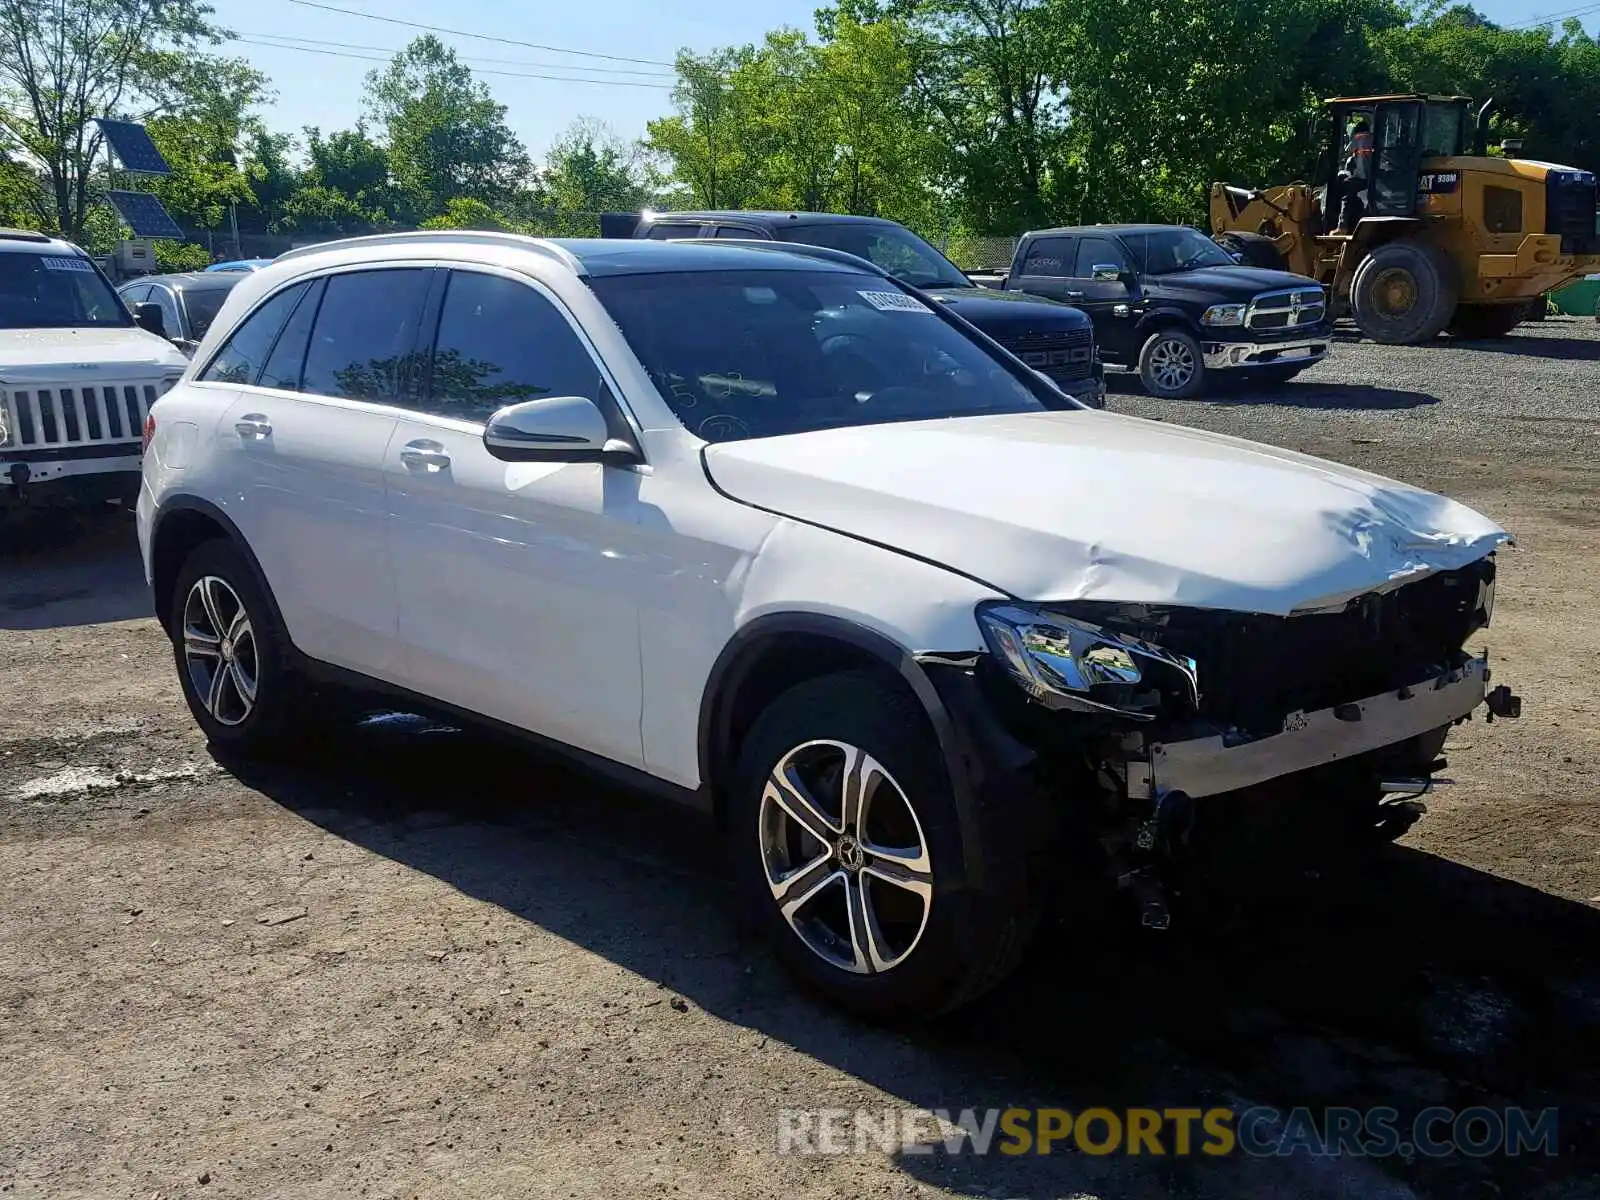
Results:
<point x="349" y="161"/>
<point x="445" y="135"/>
<point x="269" y="166"/>
<point x="66" y="62"/>
<point x="589" y="169"/>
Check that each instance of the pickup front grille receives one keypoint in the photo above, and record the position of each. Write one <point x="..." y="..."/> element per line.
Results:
<point x="1066" y="356"/>
<point x="53" y="418"/>
<point x="1570" y="211"/>
<point x="1291" y="308"/>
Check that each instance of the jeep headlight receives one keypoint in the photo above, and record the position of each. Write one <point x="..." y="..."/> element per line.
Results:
<point x="1223" y="314"/>
<point x="1070" y="664"/>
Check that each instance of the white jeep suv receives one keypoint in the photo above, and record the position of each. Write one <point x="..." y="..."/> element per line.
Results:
<point x="77" y="377"/>
<point x="764" y="530"/>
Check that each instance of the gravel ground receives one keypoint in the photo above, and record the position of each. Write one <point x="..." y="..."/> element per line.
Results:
<point x="429" y="965"/>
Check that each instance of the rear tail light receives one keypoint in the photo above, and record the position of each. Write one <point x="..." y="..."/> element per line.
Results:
<point x="149" y="432"/>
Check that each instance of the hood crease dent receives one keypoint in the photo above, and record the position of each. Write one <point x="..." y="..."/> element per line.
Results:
<point x="1058" y="507"/>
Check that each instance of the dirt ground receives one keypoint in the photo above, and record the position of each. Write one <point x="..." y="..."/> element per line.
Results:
<point x="427" y="965"/>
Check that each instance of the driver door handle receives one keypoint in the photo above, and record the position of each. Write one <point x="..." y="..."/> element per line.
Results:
<point x="253" y="427"/>
<point x="425" y="456"/>
<point x="1072" y="295"/>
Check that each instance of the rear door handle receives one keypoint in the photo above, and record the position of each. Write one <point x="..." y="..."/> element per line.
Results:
<point x="253" y="427"/>
<point x="424" y="456"/>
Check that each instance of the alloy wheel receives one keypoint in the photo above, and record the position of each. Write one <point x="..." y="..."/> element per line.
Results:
<point x="219" y="650"/>
<point x="1171" y="364"/>
<point x="845" y="857"/>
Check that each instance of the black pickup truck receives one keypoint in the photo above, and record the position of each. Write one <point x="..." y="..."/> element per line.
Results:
<point x="1054" y="339"/>
<point x="1170" y="302"/>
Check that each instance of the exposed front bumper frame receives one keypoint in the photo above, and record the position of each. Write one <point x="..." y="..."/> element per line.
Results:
<point x="1209" y="766"/>
<point x="1223" y="356"/>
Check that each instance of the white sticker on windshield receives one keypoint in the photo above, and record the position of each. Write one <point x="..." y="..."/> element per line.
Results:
<point x="62" y="262"/>
<point x="894" y="302"/>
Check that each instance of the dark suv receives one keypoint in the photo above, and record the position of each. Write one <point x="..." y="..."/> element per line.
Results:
<point x="1170" y="302"/>
<point x="1053" y="339"/>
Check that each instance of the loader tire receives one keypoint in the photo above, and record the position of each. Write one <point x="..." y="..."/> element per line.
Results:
<point x="1484" y="321"/>
<point x="1404" y="293"/>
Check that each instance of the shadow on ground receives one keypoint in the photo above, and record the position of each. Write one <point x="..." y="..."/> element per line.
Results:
<point x="58" y="571"/>
<point x="1568" y="349"/>
<point x="1419" y="983"/>
<point x="1306" y="394"/>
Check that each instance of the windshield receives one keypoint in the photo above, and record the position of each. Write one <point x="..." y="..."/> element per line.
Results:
<point x="745" y="354"/>
<point x="893" y="247"/>
<point x="203" y="304"/>
<point x="1444" y="130"/>
<point x="1163" y="251"/>
<point x="55" y="291"/>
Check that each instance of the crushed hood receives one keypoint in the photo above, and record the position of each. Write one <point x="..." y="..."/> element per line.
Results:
<point x="1096" y="506"/>
<point x="29" y="354"/>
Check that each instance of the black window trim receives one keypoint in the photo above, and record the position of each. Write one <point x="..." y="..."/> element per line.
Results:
<point x="618" y="415"/>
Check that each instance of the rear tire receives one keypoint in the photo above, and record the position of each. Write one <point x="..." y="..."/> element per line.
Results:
<point x="1171" y="365"/>
<point x="904" y="951"/>
<point x="232" y="655"/>
<point x="1254" y="250"/>
<point x="1484" y="321"/>
<point x="1404" y="293"/>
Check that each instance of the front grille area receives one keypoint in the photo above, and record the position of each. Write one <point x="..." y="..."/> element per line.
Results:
<point x="1255" y="669"/>
<point x="47" y="418"/>
<point x="1067" y="356"/>
<point x="1292" y="308"/>
<point x="1570" y="211"/>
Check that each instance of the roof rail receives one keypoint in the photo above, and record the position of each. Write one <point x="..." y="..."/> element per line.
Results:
<point x="482" y="237"/>
<point x="25" y="235"/>
<point x="826" y="253"/>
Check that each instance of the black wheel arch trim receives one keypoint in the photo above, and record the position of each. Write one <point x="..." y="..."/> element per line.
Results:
<point x="182" y="502"/>
<point x="964" y="764"/>
<point x="1165" y="317"/>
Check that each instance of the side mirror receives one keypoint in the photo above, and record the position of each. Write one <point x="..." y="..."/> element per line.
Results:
<point x="554" y="429"/>
<point x="148" y="317"/>
<point x="1106" y="273"/>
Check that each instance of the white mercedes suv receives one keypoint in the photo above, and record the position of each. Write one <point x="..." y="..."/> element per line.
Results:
<point x="762" y="529"/>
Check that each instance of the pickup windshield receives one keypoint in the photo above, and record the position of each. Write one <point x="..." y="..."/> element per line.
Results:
<point x="893" y="247"/>
<point x="1163" y="251"/>
<point x="747" y="354"/>
<point x="55" y="291"/>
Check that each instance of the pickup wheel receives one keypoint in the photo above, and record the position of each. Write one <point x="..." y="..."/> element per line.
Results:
<point x="1171" y="365"/>
<point x="845" y="842"/>
<point x="232" y="654"/>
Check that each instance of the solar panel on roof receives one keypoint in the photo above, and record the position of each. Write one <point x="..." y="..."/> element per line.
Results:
<point x="145" y="214"/>
<point x="133" y="147"/>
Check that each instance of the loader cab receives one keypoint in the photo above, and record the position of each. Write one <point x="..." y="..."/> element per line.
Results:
<point x="1406" y="130"/>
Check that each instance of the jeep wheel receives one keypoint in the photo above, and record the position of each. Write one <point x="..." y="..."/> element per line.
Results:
<point x="231" y="654"/>
<point x="1404" y="293"/>
<point x="1172" y="365"/>
<point x="845" y="844"/>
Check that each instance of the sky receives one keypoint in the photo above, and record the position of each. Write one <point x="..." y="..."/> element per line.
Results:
<point x="610" y="59"/>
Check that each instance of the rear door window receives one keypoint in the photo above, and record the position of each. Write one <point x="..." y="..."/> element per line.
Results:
<point x="240" y="359"/>
<point x="364" y="339"/>
<point x="1049" y="256"/>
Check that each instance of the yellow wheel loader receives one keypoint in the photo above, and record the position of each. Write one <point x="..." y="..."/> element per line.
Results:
<point x="1413" y="228"/>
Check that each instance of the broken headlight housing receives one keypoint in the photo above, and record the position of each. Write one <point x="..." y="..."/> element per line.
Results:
<point x="1065" y="663"/>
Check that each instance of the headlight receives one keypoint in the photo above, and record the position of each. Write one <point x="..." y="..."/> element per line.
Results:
<point x="1223" y="314"/>
<point x="1070" y="664"/>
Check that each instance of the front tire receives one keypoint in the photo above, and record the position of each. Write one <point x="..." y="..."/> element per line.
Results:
<point x="1171" y="365"/>
<point x="1404" y="293"/>
<point x="846" y="843"/>
<point x="232" y="654"/>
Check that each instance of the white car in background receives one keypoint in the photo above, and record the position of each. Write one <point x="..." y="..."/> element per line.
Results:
<point x="765" y="532"/>
<point x="77" y="377"/>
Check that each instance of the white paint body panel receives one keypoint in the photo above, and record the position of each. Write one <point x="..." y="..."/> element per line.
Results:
<point x="1094" y="506"/>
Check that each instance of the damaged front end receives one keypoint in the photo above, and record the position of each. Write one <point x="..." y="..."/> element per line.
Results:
<point x="1157" y="725"/>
